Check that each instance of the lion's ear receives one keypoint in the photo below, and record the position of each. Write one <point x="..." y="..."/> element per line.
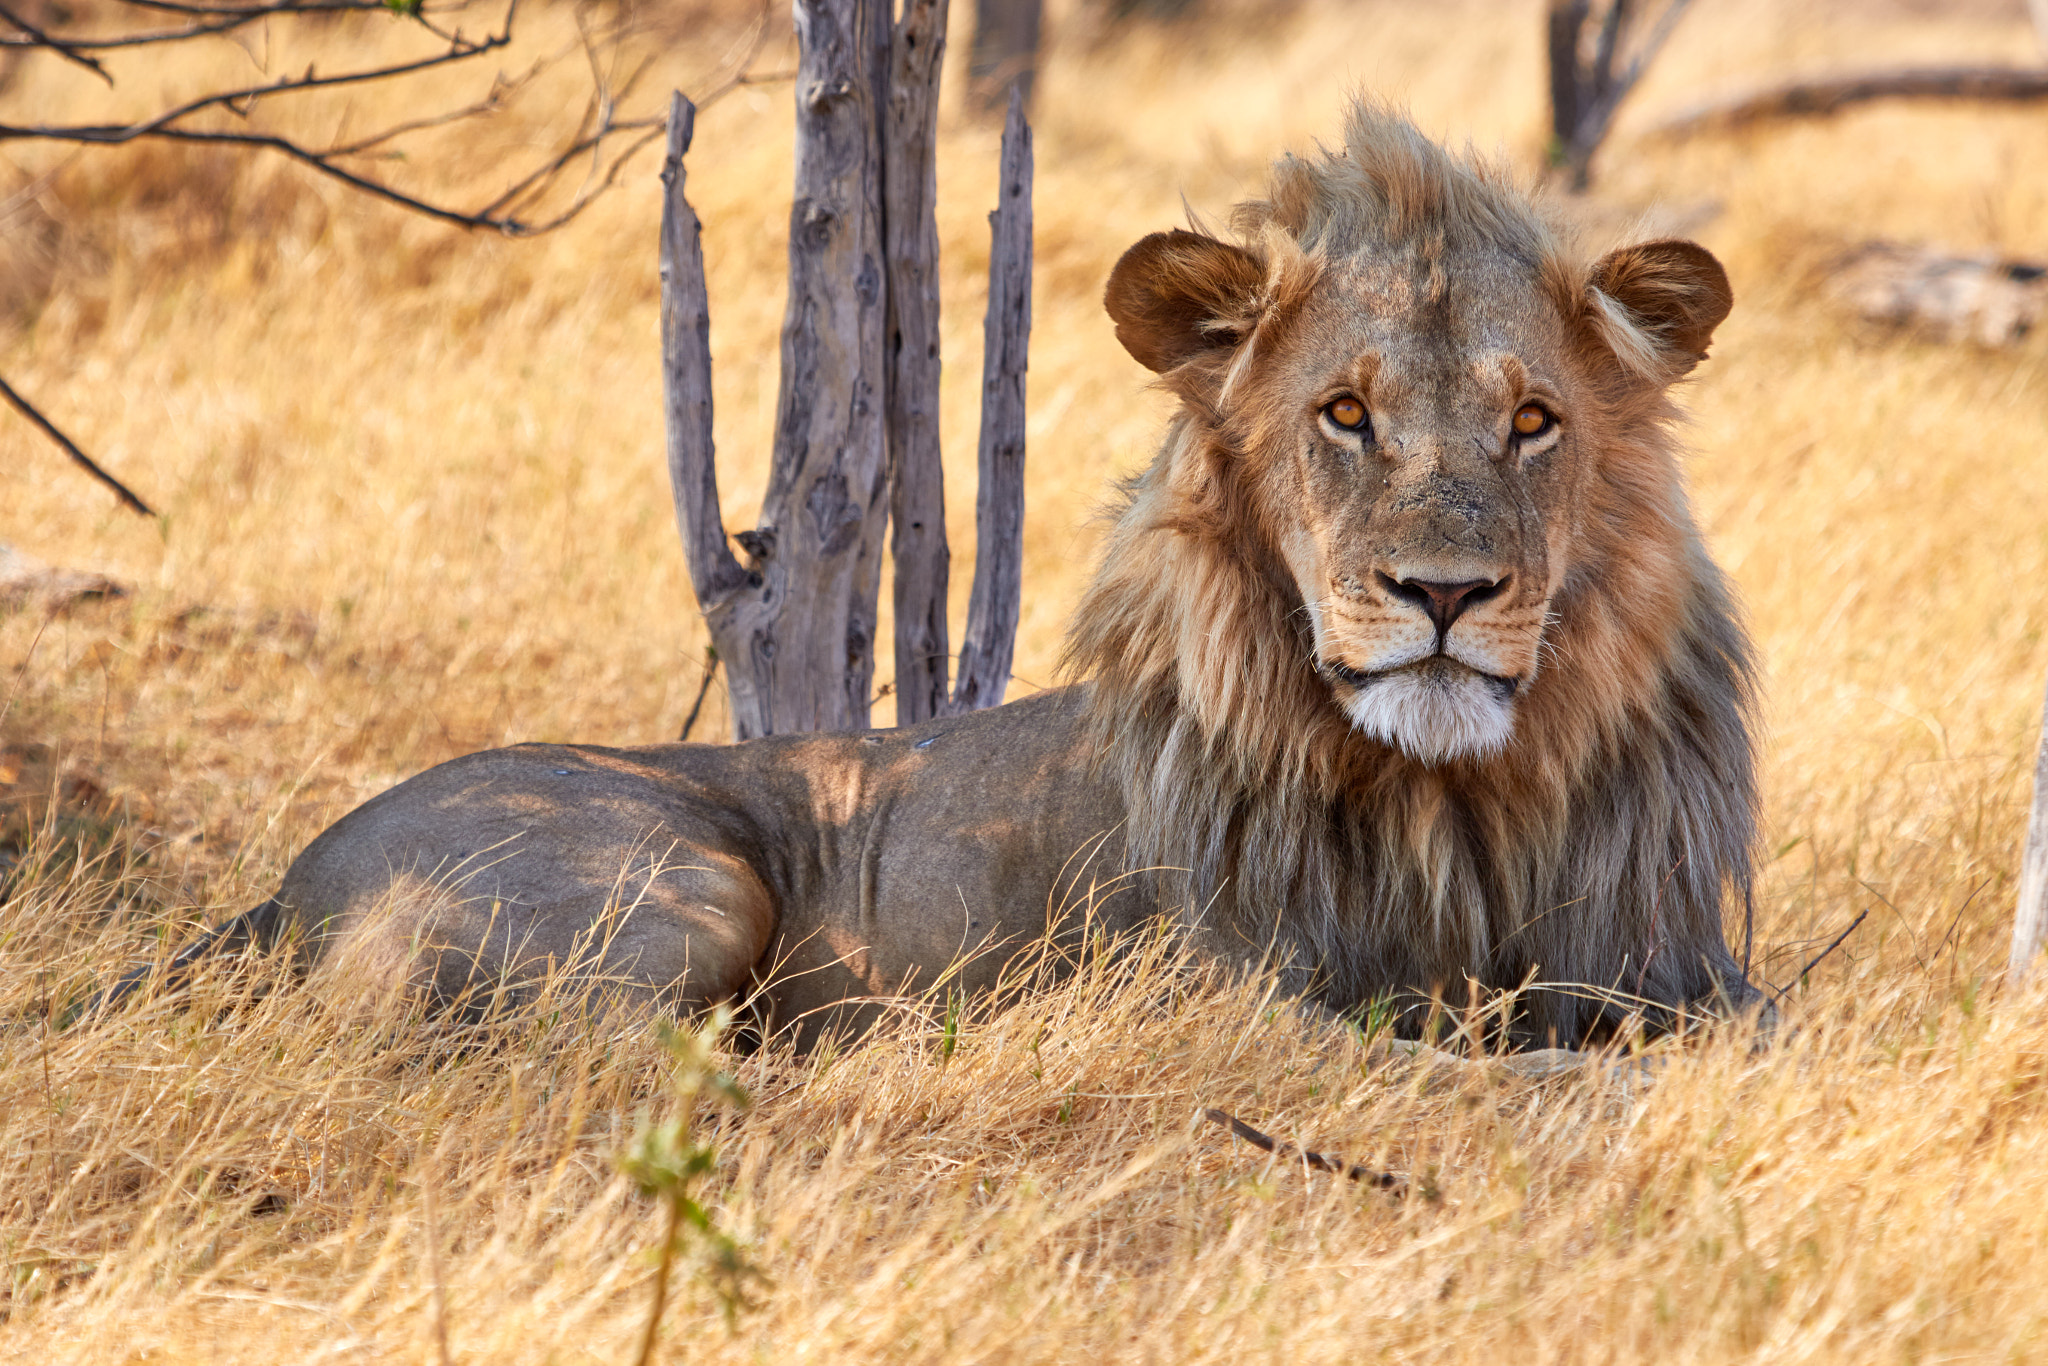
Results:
<point x="1671" y="296"/>
<point x="1177" y="294"/>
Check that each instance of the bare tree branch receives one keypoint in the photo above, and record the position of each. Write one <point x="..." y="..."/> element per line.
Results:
<point x="242" y="100"/>
<point x="1830" y="95"/>
<point x="49" y="429"/>
<point x="35" y="37"/>
<point x="224" y="20"/>
<point x="716" y="574"/>
<point x="507" y="212"/>
<point x="598" y="128"/>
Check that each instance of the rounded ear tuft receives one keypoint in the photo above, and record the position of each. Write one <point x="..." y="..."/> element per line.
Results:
<point x="1178" y="294"/>
<point x="1672" y="295"/>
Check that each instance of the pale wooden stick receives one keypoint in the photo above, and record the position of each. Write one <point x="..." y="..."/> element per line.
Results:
<point x="2030" y="921"/>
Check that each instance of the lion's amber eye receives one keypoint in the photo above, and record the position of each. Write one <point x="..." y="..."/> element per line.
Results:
<point x="1531" y="420"/>
<point x="1347" y="413"/>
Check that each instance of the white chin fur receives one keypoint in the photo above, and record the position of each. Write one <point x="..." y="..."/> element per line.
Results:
<point x="1433" y="714"/>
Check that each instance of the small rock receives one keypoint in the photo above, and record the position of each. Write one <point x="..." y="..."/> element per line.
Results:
<point x="1956" y="298"/>
<point x="26" y="581"/>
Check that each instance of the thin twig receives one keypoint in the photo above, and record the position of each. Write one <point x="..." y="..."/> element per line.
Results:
<point x="68" y="51"/>
<point x="1900" y="916"/>
<point x="1657" y="924"/>
<point x="49" y="429"/>
<point x="1370" y="1176"/>
<point x="1832" y="946"/>
<point x="14" y="203"/>
<point x="257" y="11"/>
<point x="539" y="180"/>
<point x="1959" y="918"/>
<point x="49" y="1089"/>
<point x="1748" y="925"/>
<point x="703" y="687"/>
<point x="501" y="86"/>
<point x="27" y="658"/>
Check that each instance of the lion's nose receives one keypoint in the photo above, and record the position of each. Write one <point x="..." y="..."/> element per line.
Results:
<point x="1444" y="603"/>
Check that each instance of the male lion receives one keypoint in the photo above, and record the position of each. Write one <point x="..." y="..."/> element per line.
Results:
<point x="1408" y="674"/>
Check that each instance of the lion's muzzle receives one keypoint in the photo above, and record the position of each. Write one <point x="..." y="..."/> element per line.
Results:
<point x="1432" y="664"/>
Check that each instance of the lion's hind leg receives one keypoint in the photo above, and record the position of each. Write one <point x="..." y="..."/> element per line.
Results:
<point x="674" y="934"/>
<point x="669" y="935"/>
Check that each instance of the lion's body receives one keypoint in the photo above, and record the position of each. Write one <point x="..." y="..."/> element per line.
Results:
<point x="1409" y="672"/>
<point x="817" y="868"/>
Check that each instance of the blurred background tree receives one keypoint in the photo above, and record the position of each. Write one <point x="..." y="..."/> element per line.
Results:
<point x="1006" y="40"/>
<point x="1597" y="54"/>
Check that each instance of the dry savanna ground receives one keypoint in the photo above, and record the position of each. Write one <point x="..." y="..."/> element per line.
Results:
<point x="414" y="504"/>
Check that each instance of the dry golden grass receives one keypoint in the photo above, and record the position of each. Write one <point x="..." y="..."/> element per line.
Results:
<point x="416" y="505"/>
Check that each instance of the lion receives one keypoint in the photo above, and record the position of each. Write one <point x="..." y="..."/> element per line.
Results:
<point x="1405" y="674"/>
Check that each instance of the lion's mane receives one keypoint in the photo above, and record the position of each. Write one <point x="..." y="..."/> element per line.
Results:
<point x="1593" y="853"/>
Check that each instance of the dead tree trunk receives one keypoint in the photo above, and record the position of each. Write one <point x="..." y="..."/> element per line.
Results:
<point x="796" y="627"/>
<point x="857" y="420"/>
<point x="917" y="506"/>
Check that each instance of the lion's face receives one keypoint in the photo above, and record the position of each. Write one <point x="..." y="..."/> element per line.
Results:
<point x="1415" y="434"/>
<point x="1419" y="469"/>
